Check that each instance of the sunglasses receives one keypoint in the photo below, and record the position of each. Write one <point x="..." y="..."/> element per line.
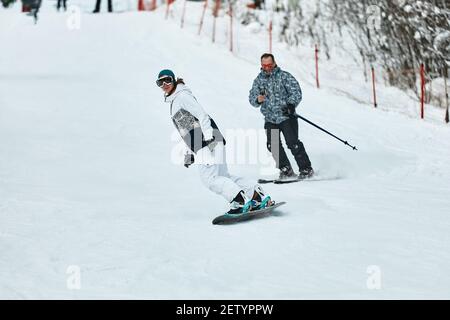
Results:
<point x="265" y="66"/>
<point x="165" y="80"/>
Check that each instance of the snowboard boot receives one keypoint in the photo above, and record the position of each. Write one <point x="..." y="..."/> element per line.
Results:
<point x="305" y="173"/>
<point x="286" y="173"/>
<point x="260" y="199"/>
<point x="240" y="204"/>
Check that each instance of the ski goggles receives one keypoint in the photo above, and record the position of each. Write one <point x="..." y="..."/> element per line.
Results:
<point x="164" y="80"/>
<point x="267" y="66"/>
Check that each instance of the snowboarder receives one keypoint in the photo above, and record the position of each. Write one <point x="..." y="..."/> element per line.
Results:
<point x="203" y="138"/>
<point x="98" y="5"/>
<point x="277" y="94"/>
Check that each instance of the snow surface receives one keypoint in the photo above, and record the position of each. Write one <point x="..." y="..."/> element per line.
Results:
<point x="90" y="181"/>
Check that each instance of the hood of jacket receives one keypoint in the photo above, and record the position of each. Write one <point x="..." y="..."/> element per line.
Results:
<point x="180" y="88"/>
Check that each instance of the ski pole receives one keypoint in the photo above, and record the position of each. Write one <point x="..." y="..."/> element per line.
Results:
<point x="315" y="125"/>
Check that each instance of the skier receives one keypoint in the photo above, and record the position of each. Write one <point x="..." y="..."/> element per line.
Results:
<point x="33" y="6"/>
<point x="98" y="5"/>
<point x="204" y="139"/>
<point x="277" y="94"/>
<point x="61" y="4"/>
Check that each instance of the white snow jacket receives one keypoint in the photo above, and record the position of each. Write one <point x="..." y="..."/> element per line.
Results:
<point x="192" y="122"/>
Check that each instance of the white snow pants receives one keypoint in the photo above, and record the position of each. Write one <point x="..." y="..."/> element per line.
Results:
<point x="214" y="174"/>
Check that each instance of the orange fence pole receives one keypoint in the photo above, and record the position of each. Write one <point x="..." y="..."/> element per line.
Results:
<point x="270" y="36"/>
<point x="183" y="14"/>
<point x="373" y="88"/>
<point x="203" y="17"/>
<point x="215" y="13"/>
<point x="422" y="90"/>
<point x="317" y="66"/>
<point x="231" y="27"/>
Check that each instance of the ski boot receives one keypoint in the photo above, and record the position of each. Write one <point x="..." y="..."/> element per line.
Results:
<point x="286" y="174"/>
<point x="305" y="173"/>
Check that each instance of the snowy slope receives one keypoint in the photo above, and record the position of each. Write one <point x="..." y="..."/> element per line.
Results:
<point x="89" y="177"/>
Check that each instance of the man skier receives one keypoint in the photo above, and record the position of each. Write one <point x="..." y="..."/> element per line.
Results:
<point x="204" y="139"/>
<point x="277" y="94"/>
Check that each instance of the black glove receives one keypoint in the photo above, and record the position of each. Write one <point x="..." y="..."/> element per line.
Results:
<point x="288" y="110"/>
<point x="188" y="159"/>
<point x="262" y="92"/>
<point x="211" y="144"/>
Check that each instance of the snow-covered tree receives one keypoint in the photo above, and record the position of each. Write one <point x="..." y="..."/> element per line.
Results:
<point x="399" y="35"/>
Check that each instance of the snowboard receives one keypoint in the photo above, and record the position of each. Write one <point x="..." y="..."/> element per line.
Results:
<point x="233" y="218"/>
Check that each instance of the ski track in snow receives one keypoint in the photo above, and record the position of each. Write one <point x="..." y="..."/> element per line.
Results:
<point x="86" y="177"/>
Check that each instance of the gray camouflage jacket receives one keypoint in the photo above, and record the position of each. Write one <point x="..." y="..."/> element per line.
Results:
<point x="280" y="89"/>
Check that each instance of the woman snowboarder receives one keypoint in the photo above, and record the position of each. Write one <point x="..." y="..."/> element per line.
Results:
<point x="204" y="139"/>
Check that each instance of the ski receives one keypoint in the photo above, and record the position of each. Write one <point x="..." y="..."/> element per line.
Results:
<point x="313" y="178"/>
<point x="263" y="181"/>
<point x="280" y="181"/>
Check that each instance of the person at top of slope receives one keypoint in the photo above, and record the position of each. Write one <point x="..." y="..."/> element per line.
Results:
<point x="32" y="7"/>
<point x="277" y="94"/>
<point x="61" y="4"/>
<point x="203" y="138"/>
<point x="98" y="5"/>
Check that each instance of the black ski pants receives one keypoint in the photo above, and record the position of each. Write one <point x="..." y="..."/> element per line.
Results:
<point x="61" y="3"/>
<point x="99" y="2"/>
<point x="289" y="128"/>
